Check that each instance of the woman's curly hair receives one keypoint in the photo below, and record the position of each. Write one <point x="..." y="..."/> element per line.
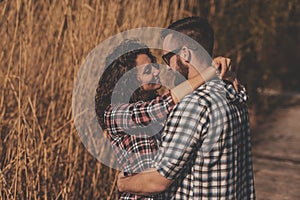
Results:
<point x="115" y="69"/>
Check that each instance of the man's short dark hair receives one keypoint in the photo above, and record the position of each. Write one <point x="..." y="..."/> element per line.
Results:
<point x="197" y="28"/>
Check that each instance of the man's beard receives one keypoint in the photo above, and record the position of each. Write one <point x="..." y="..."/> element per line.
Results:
<point x="181" y="73"/>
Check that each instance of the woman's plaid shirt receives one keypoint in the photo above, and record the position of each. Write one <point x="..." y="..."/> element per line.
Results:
<point x="129" y="127"/>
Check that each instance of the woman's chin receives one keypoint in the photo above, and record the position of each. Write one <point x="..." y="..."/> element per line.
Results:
<point x="152" y="87"/>
<point x="157" y="86"/>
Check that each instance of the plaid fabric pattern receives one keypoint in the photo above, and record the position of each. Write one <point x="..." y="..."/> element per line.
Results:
<point x="206" y="146"/>
<point x="136" y="151"/>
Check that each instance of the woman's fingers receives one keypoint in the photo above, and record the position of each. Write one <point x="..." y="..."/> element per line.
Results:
<point x="222" y="64"/>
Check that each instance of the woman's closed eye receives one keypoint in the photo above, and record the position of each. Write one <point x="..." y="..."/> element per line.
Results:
<point x="147" y="69"/>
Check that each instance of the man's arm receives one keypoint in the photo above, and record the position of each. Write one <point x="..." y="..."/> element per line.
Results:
<point x="146" y="183"/>
<point x="181" y="135"/>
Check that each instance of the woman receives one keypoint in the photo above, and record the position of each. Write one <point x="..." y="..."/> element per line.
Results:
<point x="128" y="125"/>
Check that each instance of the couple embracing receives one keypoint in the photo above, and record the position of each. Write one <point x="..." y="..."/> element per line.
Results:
<point x="203" y="150"/>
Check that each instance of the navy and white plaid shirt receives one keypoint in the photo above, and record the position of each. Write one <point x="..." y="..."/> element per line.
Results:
<point x="206" y="145"/>
<point x="136" y="152"/>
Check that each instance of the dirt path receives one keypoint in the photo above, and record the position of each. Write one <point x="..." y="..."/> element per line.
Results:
<point x="276" y="154"/>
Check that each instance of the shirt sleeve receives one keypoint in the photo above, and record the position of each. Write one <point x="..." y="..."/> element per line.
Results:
<point x="139" y="114"/>
<point x="183" y="130"/>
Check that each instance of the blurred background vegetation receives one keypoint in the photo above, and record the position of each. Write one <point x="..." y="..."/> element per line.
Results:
<point x="43" y="44"/>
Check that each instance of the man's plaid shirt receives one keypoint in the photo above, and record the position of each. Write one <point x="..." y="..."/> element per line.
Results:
<point x="206" y="146"/>
<point x="136" y="152"/>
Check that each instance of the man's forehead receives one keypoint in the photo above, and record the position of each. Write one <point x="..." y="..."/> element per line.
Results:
<point x="170" y="43"/>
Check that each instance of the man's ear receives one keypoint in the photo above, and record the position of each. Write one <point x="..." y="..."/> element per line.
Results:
<point x="185" y="54"/>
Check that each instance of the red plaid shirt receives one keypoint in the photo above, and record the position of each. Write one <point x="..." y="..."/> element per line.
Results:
<point x="134" y="132"/>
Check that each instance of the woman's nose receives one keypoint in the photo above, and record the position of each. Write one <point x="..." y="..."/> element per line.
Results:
<point x="155" y="71"/>
<point x="169" y="68"/>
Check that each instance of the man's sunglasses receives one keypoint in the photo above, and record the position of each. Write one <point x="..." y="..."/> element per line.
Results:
<point x="166" y="58"/>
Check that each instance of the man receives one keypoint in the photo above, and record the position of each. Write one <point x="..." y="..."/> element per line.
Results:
<point x="206" y="150"/>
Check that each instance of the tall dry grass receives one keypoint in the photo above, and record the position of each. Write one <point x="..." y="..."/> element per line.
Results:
<point x="43" y="44"/>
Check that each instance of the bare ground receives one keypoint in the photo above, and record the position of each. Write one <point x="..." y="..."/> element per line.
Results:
<point x="276" y="153"/>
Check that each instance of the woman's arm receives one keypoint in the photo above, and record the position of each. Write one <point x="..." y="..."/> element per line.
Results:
<point x="141" y="114"/>
<point x="190" y="85"/>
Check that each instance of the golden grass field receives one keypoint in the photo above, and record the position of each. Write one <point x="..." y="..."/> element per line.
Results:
<point x="43" y="44"/>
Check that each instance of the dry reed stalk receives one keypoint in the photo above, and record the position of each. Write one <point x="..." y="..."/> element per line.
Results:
<point x="45" y="44"/>
<point x="113" y="186"/>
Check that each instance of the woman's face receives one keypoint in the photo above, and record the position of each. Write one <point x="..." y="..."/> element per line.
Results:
<point x="147" y="73"/>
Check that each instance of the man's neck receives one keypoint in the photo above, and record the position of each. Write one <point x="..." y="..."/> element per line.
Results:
<point x="195" y="67"/>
